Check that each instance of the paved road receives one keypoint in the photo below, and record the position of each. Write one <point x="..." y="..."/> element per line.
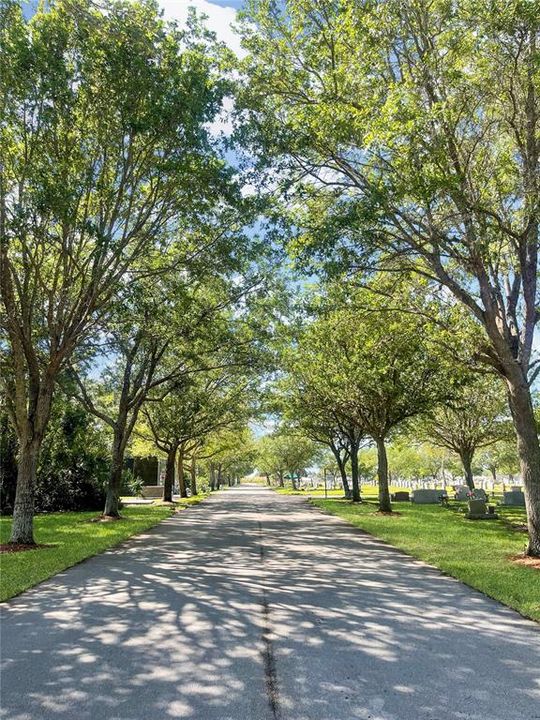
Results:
<point x="254" y="606"/>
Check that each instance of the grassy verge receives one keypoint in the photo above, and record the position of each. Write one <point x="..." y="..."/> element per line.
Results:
<point x="366" y="491"/>
<point x="180" y="503"/>
<point x="478" y="553"/>
<point x="192" y="499"/>
<point x="71" y="537"/>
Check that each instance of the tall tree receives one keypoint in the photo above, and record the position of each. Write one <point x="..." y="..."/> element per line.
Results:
<point x="144" y="362"/>
<point x="206" y="402"/>
<point x="231" y="453"/>
<point x="285" y="453"/>
<point x="376" y="367"/>
<point x="104" y="134"/>
<point x="268" y="460"/>
<point x="173" y="323"/>
<point x="400" y="146"/>
<point x="500" y="458"/>
<point x="305" y="407"/>
<point x="476" y="418"/>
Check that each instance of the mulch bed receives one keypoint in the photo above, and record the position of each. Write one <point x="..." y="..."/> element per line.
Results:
<point x="527" y="561"/>
<point x="17" y="547"/>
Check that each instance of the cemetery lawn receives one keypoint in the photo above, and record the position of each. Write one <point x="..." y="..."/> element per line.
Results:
<point x="477" y="552"/>
<point x="365" y="490"/>
<point x="311" y="492"/>
<point x="70" y="537"/>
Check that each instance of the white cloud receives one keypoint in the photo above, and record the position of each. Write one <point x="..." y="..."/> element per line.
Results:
<point x="219" y="19"/>
<point x="223" y="125"/>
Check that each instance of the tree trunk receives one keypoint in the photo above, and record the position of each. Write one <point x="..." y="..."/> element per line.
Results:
<point x="33" y="417"/>
<point x="181" y="478"/>
<point x="354" y="473"/>
<point x="466" y="460"/>
<point x="218" y="476"/>
<point x="193" y="474"/>
<point x="169" y="474"/>
<point x="344" y="480"/>
<point x="212" y="476"/>
<point x="342" y="465"/>
<point x="22" y="530"/>
<point x="382" y="467"/>
<point x="280" y="476"/>
<point x="112" y="504"/>
<point x="521" y="407"/>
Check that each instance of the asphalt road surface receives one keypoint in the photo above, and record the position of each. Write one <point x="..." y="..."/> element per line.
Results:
<point x="254" y="606"/>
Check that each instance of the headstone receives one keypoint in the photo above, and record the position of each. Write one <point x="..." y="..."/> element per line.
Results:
<point x="477" y="507"/>
<point x="401" y="496"/>
<point x="426" y="497"/>
<point x="462" y="492"/>
<point x="478" y="510"/>
<point x="514" y="498"/>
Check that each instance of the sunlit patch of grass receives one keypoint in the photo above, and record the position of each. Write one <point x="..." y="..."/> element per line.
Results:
<point x="479" y="553"/>
<point x="192" y="500"/>
<point x="368" y="492"/>
<point x="70" y="537"/>
<point x="314" y="493"/>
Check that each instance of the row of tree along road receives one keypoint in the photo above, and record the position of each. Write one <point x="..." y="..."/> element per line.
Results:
<point x="371" y="143"/>
<point x="127" y="280"/>
<point x="407" y="139"/>
<point x="363" y="371"/>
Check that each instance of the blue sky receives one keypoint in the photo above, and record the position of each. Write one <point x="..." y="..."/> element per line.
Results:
<point x="228" y="3"/>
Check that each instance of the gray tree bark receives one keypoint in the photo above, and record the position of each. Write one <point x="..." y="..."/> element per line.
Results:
<point x="382" y="467"/>
<point x="22" y="530"/>
<point x="356" y="496"/>
<point x="112" y="500"/>
<point x="169" y="474"/>
<point x="181" y="477"/>
<point x="193" y="473"/>
<point x="521" y="407"/>
<point x="466" y="456"/>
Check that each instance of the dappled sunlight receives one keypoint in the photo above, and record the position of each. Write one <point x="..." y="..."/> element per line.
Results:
<point x="357" y="629"/>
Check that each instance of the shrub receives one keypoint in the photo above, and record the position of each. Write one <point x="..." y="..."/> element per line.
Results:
<point x="131" y="484"/>
<point x="8" y="466"/>
<point x="74" y="463"/>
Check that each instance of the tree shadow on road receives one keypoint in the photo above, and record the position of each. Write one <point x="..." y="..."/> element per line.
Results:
<point x="172" y="625"/>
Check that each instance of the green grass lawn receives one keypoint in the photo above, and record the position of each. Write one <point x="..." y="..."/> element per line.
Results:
<point x="476" y="552"/>
<point x="180" y="503"/>
<point x="367" y="491"/>
<point x="72" y="538"/>
<point x="193" y="499"/>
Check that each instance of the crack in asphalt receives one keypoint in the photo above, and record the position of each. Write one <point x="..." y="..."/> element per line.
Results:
<point x="269" y="660"/>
